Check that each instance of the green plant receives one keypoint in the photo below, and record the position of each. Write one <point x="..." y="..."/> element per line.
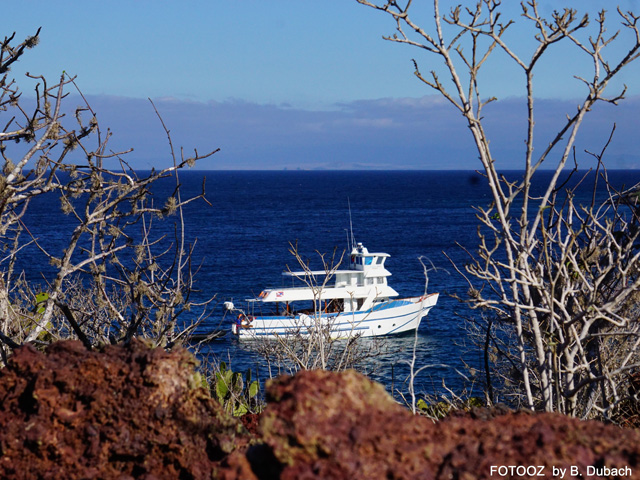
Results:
<point x="33" y="317"/>
<point x="236" y="394"/>
<point x="441" y="409"/>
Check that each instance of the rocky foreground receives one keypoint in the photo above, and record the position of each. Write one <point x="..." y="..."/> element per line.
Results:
<point x="132" y="412"/>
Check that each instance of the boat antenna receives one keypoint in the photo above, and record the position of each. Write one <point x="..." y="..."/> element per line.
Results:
<point x="351" y="241"/>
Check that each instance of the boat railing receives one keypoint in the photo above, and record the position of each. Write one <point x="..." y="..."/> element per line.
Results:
<point x="299" y="289"/>
<point x="306" y="287"/>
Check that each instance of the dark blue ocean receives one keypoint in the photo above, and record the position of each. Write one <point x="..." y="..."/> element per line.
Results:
<point x="242" y="246"/>
<point x="245" y="239"/>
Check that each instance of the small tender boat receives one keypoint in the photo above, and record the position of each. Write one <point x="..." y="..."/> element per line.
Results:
<point x="359" y="302"/>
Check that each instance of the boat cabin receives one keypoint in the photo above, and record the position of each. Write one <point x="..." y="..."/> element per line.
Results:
<point x="360" y="287"/>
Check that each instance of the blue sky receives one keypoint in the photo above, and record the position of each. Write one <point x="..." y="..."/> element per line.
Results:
<point x="296" y="83"/>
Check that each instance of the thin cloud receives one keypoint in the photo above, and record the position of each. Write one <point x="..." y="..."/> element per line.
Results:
<point x="404" y="133"/>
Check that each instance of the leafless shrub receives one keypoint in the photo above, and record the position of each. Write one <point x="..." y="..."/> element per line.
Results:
<point x="115" y="278"/>
<point x="557" y="281"/>
<point x="315" y="345"/>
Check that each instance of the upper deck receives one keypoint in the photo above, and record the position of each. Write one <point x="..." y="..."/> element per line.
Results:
<point x="365" y="276"/>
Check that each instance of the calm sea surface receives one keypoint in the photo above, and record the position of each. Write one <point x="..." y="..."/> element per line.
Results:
<point x="243" y="241"/>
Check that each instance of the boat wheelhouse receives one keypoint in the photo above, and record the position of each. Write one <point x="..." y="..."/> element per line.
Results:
<point x="357" y="302"/>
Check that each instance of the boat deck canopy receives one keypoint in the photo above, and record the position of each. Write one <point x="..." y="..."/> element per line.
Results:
<point x="328" y="293"/>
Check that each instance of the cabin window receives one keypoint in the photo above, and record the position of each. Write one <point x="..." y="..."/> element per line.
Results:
<point x="379" y="260"/>
<point x="369" y="281"/>
<point x="368" y="260"/>
<point x="379" y="280"/>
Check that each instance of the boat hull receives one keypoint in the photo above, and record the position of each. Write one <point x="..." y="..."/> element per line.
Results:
<point x="386" y="318"/>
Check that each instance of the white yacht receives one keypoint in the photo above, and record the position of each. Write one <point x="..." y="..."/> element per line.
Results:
<point x="358" y="302"/>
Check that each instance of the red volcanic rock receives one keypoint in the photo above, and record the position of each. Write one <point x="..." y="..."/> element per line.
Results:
<point x="323" y="425"/>
<point x="343" y="426"/>
<point x="250" y="422"/>
<point x="123" y="412"/>
<point x="132" y="412"/>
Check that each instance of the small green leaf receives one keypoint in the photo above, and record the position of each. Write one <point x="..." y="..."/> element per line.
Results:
<point x="222" y="388"/>
<point x="254" y="388"/>
<point x="240" y="410"/>
<point x="41" y="299"/>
